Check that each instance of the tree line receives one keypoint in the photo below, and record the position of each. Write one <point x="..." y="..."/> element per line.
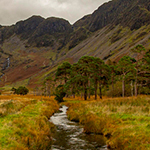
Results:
<point x="92" y="76"/>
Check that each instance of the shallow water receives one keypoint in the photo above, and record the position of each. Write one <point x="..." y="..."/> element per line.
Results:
<point x="69" y="135"/>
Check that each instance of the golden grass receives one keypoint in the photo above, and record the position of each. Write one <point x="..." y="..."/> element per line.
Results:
<point x="24" y="122"/>
<point x="125" y="121"/>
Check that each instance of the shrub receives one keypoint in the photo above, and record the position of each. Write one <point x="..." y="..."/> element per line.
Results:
<point x="21" y="90"/>
<point x="60" y="93"/>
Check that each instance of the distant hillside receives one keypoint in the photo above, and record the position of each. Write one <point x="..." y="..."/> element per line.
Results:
<point x="34" y="47"/>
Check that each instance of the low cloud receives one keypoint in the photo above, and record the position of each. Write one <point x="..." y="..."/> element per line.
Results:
<point x="12" y="11"/>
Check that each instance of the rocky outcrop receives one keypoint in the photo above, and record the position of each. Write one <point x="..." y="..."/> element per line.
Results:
<point x="51" y="31"/>
<point x="38" y="31"/>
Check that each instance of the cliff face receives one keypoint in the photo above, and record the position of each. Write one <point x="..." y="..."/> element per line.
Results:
<point x="128" y="13"/>
<point x="37" y="30"/>
<point x="36" y="46"/>
<point x="28" y="27"/>
<point x="50" y="32"/>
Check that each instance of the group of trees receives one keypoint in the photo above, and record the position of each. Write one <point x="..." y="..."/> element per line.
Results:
<point x="90" y="75"/>
<point x="135" y="71"/>
<point x="83" y="77"/>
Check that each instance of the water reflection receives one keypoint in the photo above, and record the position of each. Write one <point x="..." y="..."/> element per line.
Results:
<point x="69" y="135"/>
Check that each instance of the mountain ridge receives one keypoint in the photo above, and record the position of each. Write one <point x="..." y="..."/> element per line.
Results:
<point x="115" y="10"/>
<point x="36" y="46"/>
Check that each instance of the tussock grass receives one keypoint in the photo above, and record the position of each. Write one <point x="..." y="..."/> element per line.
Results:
<point x="24" y="122"/>
<point x="124" y="121"/>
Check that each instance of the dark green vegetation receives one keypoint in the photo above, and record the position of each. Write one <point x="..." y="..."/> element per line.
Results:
<point x="124" y="121"/>
<point x="91" y="76"/>
<point x="20" y="91"/>
<point x="60" y="93"/>
<point x="36" y="46"/>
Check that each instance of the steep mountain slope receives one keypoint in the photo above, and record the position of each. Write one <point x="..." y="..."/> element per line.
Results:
<point x="111" y="43"/>
<point x="31" y="49"/>
<point x="131" y="13"/>
<point x="116" y="27"/>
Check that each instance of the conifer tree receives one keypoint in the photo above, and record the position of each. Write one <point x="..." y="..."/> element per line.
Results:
<point x="125" y="66"/>
<point x="85" y="72"/>
<point x="139" y="50"/>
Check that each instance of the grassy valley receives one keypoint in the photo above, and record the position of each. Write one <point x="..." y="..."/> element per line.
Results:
<point x="99" y="67"/>
<point x="123" y="121"/>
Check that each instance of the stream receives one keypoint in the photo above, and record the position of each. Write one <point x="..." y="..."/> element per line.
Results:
<point x="69" y="135"/>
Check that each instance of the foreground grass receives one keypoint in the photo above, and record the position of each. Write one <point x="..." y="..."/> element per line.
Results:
<point x="124" y="121"/>
<point x="24" y="122"/>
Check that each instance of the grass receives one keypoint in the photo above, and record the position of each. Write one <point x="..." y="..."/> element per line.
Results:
<point x="124" y="121"/>
<point x="24" y="122"/>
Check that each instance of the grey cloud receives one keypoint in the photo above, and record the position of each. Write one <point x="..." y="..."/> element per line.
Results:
<point x="12" y="11"/>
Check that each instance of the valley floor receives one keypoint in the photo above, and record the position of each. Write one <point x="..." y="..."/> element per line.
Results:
<point x="124" y="121"/>
<point x="24" y="121"/>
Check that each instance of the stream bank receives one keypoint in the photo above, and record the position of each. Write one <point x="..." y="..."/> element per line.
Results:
<point x="124" y="121"/>
<point x="69" y="135"/>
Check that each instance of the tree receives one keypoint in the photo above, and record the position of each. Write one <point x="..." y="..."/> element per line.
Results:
<point x="100" y="74"/>
<point x="125" y="66"/>
<point x="113" y="70"/>
<point x="84" y="71"/>
<point x="97" y="66"/>
<point x="140" y="51"/>
<point x="145" y="69"/>
<point x="60" y="93"/>
<point x="74" y="82"/>
<point x="63" y="72"/>
<point x="104" y="77"/>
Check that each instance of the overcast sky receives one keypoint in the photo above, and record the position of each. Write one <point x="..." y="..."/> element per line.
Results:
<point x="12" y="11"/>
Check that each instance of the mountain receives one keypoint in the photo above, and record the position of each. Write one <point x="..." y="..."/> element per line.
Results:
<point x="32" y="49"/>
<point x="132" y="13"/>
<point x="38" y="31"/>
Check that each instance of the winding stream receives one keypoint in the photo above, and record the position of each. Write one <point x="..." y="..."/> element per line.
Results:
<point x="69" y="135"/>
